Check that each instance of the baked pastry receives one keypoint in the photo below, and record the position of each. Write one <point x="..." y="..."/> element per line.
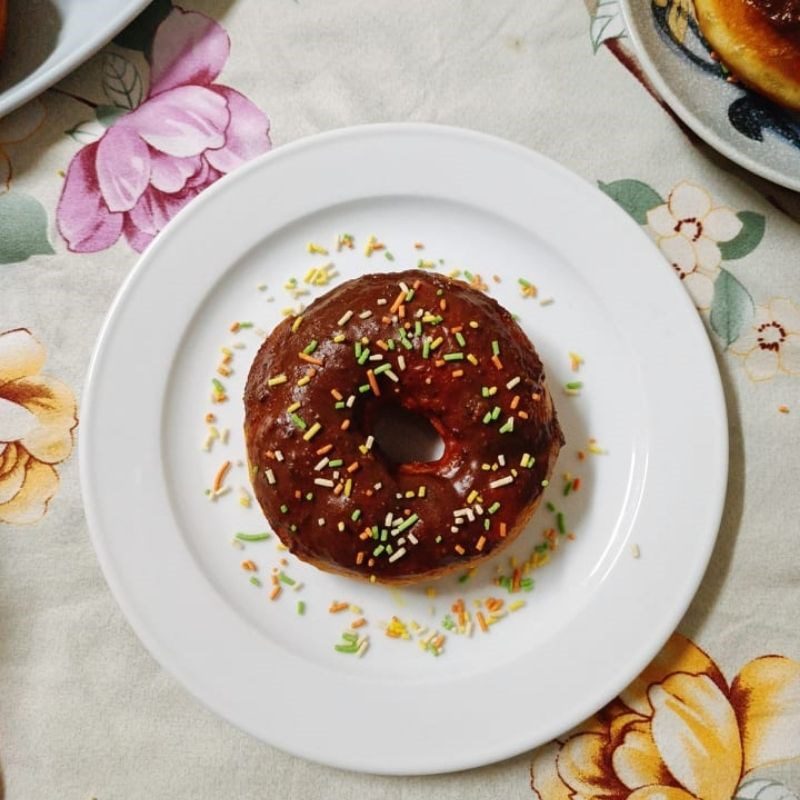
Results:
<point x="431" y="346"/>
<point x="759" y="41"/>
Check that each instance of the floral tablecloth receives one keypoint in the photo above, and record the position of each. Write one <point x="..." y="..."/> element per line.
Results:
<point x="94" y="168"/>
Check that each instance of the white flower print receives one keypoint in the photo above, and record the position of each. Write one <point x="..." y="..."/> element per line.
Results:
<point x="771" y="345"/>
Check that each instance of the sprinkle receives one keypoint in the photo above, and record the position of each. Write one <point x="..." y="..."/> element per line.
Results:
<point x="595" y="449"/>
<point x="219" y="478"/>
<point x="480" y="543"/>
<point x="312" y="432"/>
<point x="297" y="323"/>
<point x="298" y="421"/>
<point x="547" y="301"/>
<point x="459" y="549"/>
<point x="345" y="318"/>
<point x="293" y="407"/>
<point x="497" y="362"/>
<point x="348" y="486"/>
<point x="252" y="537"/>
<point x="284" y="578"/>
<point x="513" y="382"/>
<point x="783" y="409"/>
<point x="398" y="554"/>
<point x="635" y="551"/>
<point x="372" y="245"/>
<point x="275" y="593"/>
<point x="270" y="477"/>
<point x="453" y="357"/>
<point x="310" y="359"/>
<point x="345" y="425"/>
<point x="501" y="482"/>
<point x="575" y="361"/>
<point x="407" y="523"/>
<point x="373" y="383"/>
<point x="493" y="508"/>
<point x="301" y="607"/>
<point x="327" y="482"/>
<point x="249" y="566"/>
<point x="310" y="347"/>
<point x="508" y="426"/>
<point x="482" y="621"/>
<point x="316" y="249"/>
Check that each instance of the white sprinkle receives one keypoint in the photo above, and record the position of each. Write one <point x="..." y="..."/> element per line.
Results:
<point x="362" y="648"/>
<point x="350" y="400"/>
<point x="401" y="541"/>
<point x="461" y="512"/>
<point x="513" y="382"/>
<point x="370" y="441"/>
<point x="321" y="464"/>
<point x="403" y="286"/>
<point x="401" y="362"/>
<point x="388" y="520"/>
<point x="239" y="346"/>
<point x="270" y="477"/>
<point x="413" y="539"/>
<point x="453" y="529"/>
<point x="321" y="522"/>
<point x="364" y="315"/>
<point x="501" y="482"/>
<point x="635" y="551"/>
<point x="419" y="313"/>
<point x="336" y="474"/>
<point x="501" y="460"/>
<point x="378" y="486"/>
<point x="381" y="301"/>
<point x="376" y="357"/>
<point x="391" y="375"/>
<point x="324" y="482"/>
<point x="278" y="455"/>
<point x="345" y="318"/>
<point x="340" y="526"/>
<point x="479" y="509"/>
<point x="398" y="521"/>
<point x="397" y="554"/>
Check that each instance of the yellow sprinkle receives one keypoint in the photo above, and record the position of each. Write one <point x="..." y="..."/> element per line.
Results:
<point x="312" y="432"/>
<point x="316" y="249"/>
<point x="516" y="605"/>
<point x="293" y="407"/>
<point x="348" y="487"/>
<point x="472" y="360"/>
<point x="297" y="323"/>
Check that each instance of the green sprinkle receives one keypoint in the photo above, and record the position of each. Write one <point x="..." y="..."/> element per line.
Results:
<point x="453" y="356"/>
<point x="255" y="581"/>
<point x="469" y="276"/>
<point x="525" y="284"/>
<point x="550" y="507"/>
<point x="567" y="488"/>
<point x="390" y="344"/>
<point x="335" y="462"/>
<point x="362" y="359"/>
<point x="284" y="578"/>
<point x="252" y="537"/>
<point x="345" y="648"/>
<point x="384" y="535"/>
<point x="461" y="340"/>
<point x="417" y="328"/>
<point x="407" y="523"/>
<point x="301" y="607"/>
<point x="496" y="412"/>
<point x="448" y="623"/>
<point x="388" y="256"/>
<point x="426" y="348"/>
<point x="245" y="324"/>
<point x="365" y="387"/>
<point x="406" y="344"/>
<point x="439" y="292"/>
<point x="378" y="550"/>
<point x="573" y="386"/>
<point x="340" y="405"/>
<point x="487" y="523"/>
<point x="487" y="417"/>
<point x="545" y="482"/>
<point x="298" y="421"/>
<point x="560" y="524"/>
<point x="494" y="507"/>
<point x="310" y="347"/>
<point x="350" y="637"/>
<point x="465" y="577"/>
<point x="382" y="368"/>
<point x="218" y="386"/>
<point x="375" y="532"/>
<point x="484" y="391"/>
<point x="356" y="515"/>
<point x="309" y="496"/>
<point x="495" y="347"/>
<point x="409" y="295"/>
<point x="284" y="509"/>
<point x="436" y="342"/>
<point x="357" y="348"/>
<point x="507" y="426"/>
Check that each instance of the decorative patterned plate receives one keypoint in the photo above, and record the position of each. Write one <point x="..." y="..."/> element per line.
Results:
<point x="651" y="395"/>
<point x="742" y="125"/>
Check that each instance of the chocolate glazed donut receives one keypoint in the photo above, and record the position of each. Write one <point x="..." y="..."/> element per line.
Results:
<point x="434" y="347"/>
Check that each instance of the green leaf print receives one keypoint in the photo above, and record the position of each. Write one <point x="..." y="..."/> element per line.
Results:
<point x="606" y="23"/>
<point x="636" y="197"/>
<point x="731" y="309"/>
<point x="749" y="237"/>
<point x="122" y="82"/>
<point x="23" y="228"/>
<point x="763" y="789"/>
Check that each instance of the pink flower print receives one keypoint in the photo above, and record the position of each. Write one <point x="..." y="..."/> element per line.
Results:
<point x="185" y="135"/>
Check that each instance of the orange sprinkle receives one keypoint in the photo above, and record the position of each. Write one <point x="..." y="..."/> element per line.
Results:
<point x="310" y="359"/>
<point x="220" y="476"/>
<point x="571" y="536"/>
<point x="502" y="530"/>
<point x="443" y="304"/>
<point x="373" y="382"/>
<point x="337" y="395"/>
<point x="581" y="455"/>
<point x="480" y="543"/>
<point x="493" y="603"/>
<point x="210" y="418"/>
<point x="326" y="448"/>
<point x="419" y="246"/>
<point x="482" y="622"/>
<point x="522" y="414"/>
<point x="497" y="362"/>
<point x="249" y="566"/>
<point x="783" y="409"/>
<point x="382" y="344"/>
<point x="416" y="285"/>
<point x="386" y="320"/>
<point x="358" y="623"/>
<point x="335" y="607"/>
<point x="234" y="328"/>
<point x="496" y="278"/>
<point x="297" y="494"/>
<point x="365" y="534"/>
<point x="360" y="557"/>
<point x="439" y="362"/>
<point x="459" y="549"/>
<point x="224" y="371"/>
<point x="401" y="312"/>
<point x="536" y="396"/>
<point x="576" y="484"/>
<point x="515" y="579"/>
<point x="457" y="373"/>
<point x="397" y="302"/>
<point x="345" y="424"/>
<point x="514" y="402"/>
<point x="457" y="329"/>
<point x="353" y="467"/>
<point x="276" y="590"/>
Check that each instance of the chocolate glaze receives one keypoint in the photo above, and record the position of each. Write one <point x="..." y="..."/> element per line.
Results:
<point x="454" y="406"/>
<point x="782" y="14"/>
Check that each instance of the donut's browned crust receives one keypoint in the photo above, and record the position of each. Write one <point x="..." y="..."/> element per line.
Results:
<point x="330" y="525"/>
<point x="759" y="41"/>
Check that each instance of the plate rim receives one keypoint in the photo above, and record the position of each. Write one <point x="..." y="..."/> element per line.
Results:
<point x="42" y="79"/>
<point x="727" y="149"/>
<point x="151" y="642"/>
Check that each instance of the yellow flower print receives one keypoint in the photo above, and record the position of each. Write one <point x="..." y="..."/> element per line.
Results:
<point x="678" y="15"/>
<point x="678" y="732"/>
<point x="14" y="129"/>
<point x="687" y="229"/>
<point x="37" y="418"/>
<point x="772" y="343"/>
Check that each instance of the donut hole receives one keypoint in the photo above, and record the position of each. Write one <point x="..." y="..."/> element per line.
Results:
<point x="406" y="438"/>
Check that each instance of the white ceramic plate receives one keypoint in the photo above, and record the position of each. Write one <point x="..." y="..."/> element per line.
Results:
<point x="597" y="615"/>
<point x="49" y="38"/>
<point x="740" y="124"/>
